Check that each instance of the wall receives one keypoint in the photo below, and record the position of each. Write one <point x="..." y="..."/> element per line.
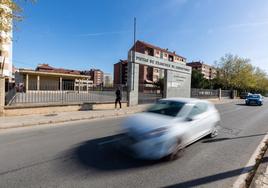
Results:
<point x="55" y="109"/>
<point x="49" y="83"/>
<point x="177" y="84"/>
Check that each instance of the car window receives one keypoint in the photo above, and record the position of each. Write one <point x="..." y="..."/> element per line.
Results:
<point x="198" y="108"/>
<point x="254" y="96"/>
<point x="165" y="107"/>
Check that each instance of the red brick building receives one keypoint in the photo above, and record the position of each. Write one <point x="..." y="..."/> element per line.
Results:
<point x="120" y="73"/>
<point x="96" y="76"/>
<point x="147" y="74"/>
<point x="208" y="71"/>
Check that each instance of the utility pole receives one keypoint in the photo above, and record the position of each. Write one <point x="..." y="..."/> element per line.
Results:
<point x="133" y="61"/>
<point x="134" y="34"/>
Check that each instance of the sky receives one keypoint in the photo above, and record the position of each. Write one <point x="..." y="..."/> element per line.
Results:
<point x="85" y="34"/>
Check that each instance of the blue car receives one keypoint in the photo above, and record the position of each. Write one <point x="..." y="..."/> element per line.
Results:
<point x="254" y="99"/>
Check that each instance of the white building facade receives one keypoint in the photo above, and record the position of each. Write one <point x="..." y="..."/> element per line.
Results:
<point x="5" y="45"/>
<point x="107" y="80"/>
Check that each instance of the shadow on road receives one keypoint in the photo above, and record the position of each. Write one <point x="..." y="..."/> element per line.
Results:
<point x="239" y="137"/>
<point x="101" y="154"/>
<point x="215" y="177"/>
<point x="242" y="104"/>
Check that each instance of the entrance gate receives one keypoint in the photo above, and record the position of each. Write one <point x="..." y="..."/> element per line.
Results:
<point x="176" y="79"/>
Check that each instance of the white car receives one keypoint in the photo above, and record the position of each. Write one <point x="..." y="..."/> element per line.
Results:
<point x="168" y="126"/>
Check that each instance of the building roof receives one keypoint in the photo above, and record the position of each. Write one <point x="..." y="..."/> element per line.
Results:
<point x="196" y="63"/>
<point x="158" y="48"/>
<point x="48" y="68"/>
<point x="34" y="72"/>
<point x="122" y="61"/>
<point x="95" y="70"/>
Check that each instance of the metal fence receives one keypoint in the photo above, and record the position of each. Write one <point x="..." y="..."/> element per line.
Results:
<point x="226" y="93"/>
<point x="146" y="98"/>
<point x="204" y="93"/>
<point x="149" y="94"/>
<point x="64" y="96"/>
<point x="210" y="93"/>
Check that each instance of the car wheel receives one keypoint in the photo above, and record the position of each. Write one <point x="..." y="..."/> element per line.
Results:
<point x="176" y="152"/>
<point x="214" y="133"/>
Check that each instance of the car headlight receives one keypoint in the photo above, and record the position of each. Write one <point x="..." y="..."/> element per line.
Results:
<point x="156" y="132"/>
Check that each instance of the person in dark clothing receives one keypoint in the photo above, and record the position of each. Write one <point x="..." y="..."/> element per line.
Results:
<point x="118" y="97"/>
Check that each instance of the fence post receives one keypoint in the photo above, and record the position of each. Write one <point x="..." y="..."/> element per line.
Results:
<point x="2" y="95"/>
<point x="220" y="94"/>
<point x="60" y="83"/>
<point x="27" y="83"/>
<point x="38" y="83"/>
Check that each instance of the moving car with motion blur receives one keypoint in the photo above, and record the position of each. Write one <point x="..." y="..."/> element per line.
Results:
<point x="169" y="126"/>
<point x="254" y="99"/>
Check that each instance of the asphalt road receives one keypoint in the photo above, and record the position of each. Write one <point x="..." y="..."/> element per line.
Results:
<point x="79" y="154"/>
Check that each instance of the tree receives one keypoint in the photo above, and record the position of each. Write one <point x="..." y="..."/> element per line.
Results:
<point x="10" y="10"/>
<point x="198" y="80"/>
<point x="238" y="73"/>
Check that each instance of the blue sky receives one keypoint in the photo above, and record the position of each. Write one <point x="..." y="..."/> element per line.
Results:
<point x="84" y="34"/>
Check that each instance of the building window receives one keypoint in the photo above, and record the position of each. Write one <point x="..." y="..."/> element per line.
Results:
<point x="171" y="58"/>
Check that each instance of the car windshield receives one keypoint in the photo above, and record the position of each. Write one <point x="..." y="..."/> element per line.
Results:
<point x="254" y="96"/>
<point x="169" y="108"/>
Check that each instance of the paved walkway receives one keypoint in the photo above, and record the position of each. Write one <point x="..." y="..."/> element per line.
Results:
<point x="260" y="179"/>
<point x="30" y="120"/>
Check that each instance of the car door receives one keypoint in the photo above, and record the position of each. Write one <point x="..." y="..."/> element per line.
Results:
<point x="197" y="121"/>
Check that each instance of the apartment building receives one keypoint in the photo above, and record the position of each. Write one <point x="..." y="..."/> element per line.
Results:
<point x="147" y="74"/>
<point x="96" y="76"/>
<point x="208" y="71"/>
<point x="120" y="72"/>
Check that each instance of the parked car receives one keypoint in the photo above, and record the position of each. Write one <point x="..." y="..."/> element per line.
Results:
<point x="254" y="99"/>
<point x="169" y="126"/>
<point x="243" y="95"/>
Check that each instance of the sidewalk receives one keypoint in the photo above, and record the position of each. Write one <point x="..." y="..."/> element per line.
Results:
<point x="40" y="119"/>
<point x="260" y="179"/>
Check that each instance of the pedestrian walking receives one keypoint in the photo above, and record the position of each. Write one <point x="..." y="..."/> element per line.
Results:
<point x="118" y="97"/>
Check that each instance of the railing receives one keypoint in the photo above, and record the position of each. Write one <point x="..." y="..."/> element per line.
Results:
<point x="149" y="94"/>
<point x="226" y="93"/>
<point x="210" y="93"/>
<point x="204" y="93"/>
<point x="47" y="97"/>
<point x="146" y="98"/>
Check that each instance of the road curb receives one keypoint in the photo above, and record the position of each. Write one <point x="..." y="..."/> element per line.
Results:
<point x="70" y="120"/>
<point x="261" y="176"/>
<point x="250" y="168"/>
